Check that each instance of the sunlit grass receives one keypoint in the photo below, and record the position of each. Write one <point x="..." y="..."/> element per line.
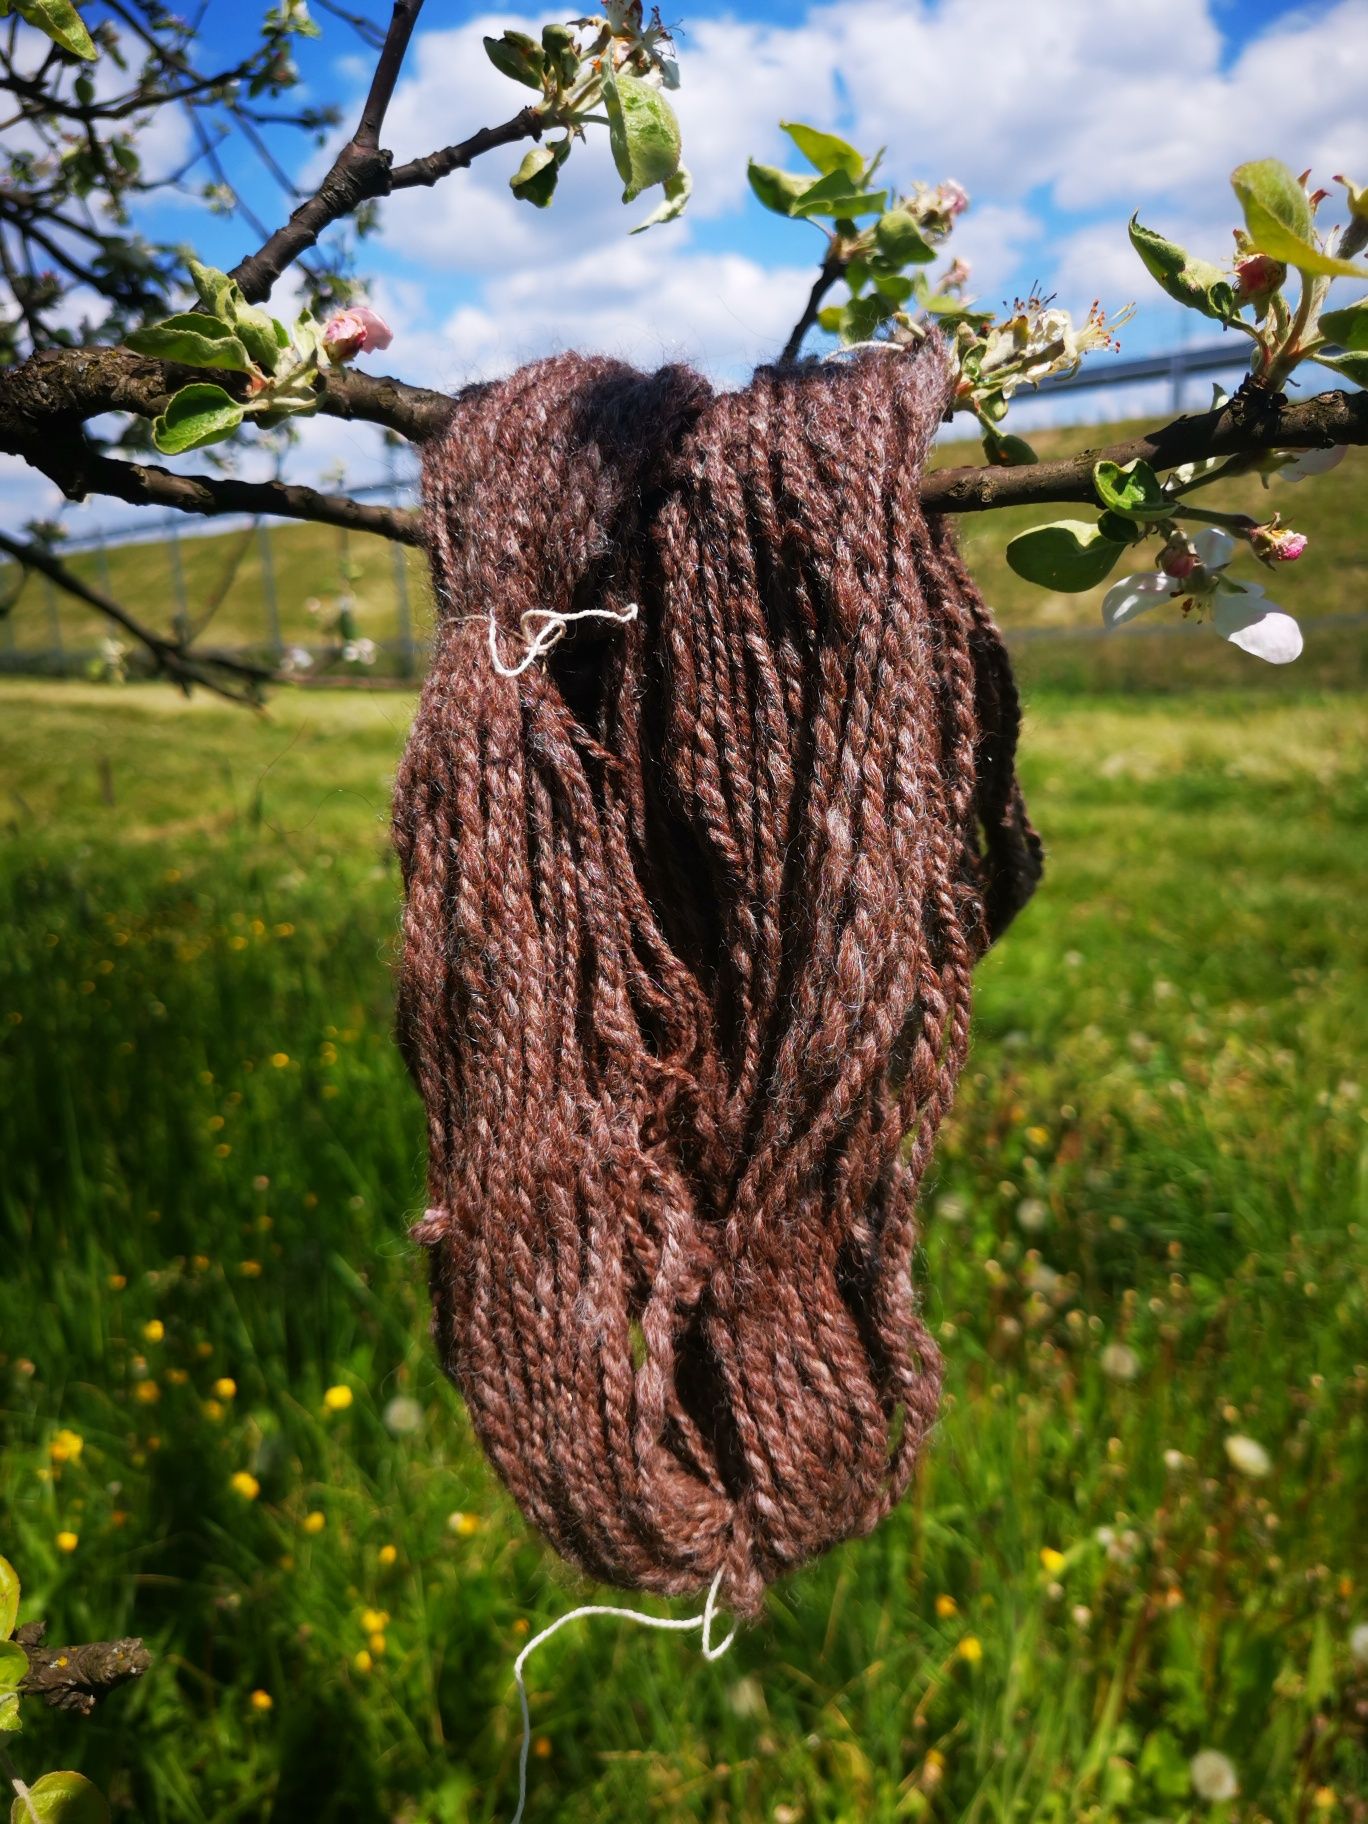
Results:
<point x="1145" y="1238"/>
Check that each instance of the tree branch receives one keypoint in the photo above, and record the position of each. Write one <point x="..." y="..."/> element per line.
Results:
<point x="1243" y="427"/>
<point x="828" y="273"/>
<point x="80" y="470"/>
<point x="76" y="1678"/>
<point x="169" y="657"/>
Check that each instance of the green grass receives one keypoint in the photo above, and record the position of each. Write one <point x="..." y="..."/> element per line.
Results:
<point x="1159" y="1145"/>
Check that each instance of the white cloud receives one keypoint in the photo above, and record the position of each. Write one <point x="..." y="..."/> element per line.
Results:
<point x="646" y="304"/>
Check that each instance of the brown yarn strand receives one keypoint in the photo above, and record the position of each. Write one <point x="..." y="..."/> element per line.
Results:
<point x="691" y="915"/>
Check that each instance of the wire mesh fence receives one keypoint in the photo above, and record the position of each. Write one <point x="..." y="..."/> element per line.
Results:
<point x="321" y="604"/>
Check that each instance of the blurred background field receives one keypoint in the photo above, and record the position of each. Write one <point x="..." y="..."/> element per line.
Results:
<point x="1139" y="1535"/>
<point x="222" y="1425"/>
<point x="263" y="589"/>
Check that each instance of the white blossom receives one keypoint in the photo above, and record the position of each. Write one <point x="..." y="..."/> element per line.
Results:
<point x="1213" y="1775"/>
<point x="1239" y="612"/>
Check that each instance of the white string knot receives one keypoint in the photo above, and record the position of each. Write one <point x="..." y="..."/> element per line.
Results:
<point x="542" y="627"/>
<point x="685" y="1625"/>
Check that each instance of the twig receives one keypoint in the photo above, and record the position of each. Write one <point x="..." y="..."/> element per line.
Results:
<point x="829" y="272"/>
<point x="76" y="1678"/>
<point x="170" y="657"/>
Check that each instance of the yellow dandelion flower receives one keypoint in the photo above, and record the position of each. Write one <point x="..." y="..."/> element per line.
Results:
<point x="250" y="1269"/>
<point x="67" y="1542"/>
<point x="261" y="1701"/>
<point x="204" y="1348"/>
<point x="315" y="1522"/>
<point x="377" y="1644"/>
<point x="542" y="1747"/>
<point x="362" y="1661"/>
<point x="147" y="1393"/>
<point x="521" y="1625"/>
<point x="465" y="1526"/>
<point x="66" y="1447"/>
<point x="177" y="1376"/>
<point x="244" y="1483"/>
<point x="946" y="1607"/>
<point x="1038" y="1136"/>
<point x="388" y="1555"/>
<point x="337" y="1399"/>
<point x="373" y="1621"/>
<point x="1051" y="1560"/>
<point x="225" y="1388"/>
<point x="213" y="1411"/>
<point x="280" y="1060"/>
<point x="117" y="1282"/>
<point x="154" y="1330"/>
<point x="1324" y="1798"/>
<point x="970" y="1649"/>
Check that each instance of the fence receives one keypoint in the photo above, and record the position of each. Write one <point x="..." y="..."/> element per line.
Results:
<point x="326" y="605"/>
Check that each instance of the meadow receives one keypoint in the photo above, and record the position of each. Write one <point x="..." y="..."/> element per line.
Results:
<point x="1138" y="1537"/>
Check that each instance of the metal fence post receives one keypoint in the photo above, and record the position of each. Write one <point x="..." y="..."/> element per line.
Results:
<point x="54" y="615"/>
<point x="268" y="588"/>
<point x="181" y="618"/>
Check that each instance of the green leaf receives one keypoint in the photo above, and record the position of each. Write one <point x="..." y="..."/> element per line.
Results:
<point x="1348" y="327"/>
<point x="9" y="1598"/>
<point x="1354" y="367"/>
<point x="642" y="133"/>
<point x="857" y="320"/>
<point x="13" y="1668"/>
<point x="899" y="239"/>
<point x="193" y="339"/>
<point x="196" y="415"/>
<point x="1007" y="450"/>
<point x="895" y="286"/>
<point x="1120" y="530"/>
<point x="518" y="56"/>
<point x="260" y="334"/>
<point x="1070" y="555"/>
<point x="833" y="195"/>
<point x="1133" y="491"/>
<point x="678" y="190"/>
<point x="824" y="152"/>
<point x="535" y="178"/>
<point x="1278" y="217"/>
<point x="777" y="190"/>
<point x="562" y="55"/>
<point x="61" y="22"/>
<point x="62" y="1798"/>
<point x="1196" y="283"/>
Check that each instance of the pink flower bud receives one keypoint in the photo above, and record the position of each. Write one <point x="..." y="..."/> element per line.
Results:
<point x="1277" y="544"/>
<point x="954" y="198"/>
<point x="355" y="331"/>
<point x="1257" y="276"/>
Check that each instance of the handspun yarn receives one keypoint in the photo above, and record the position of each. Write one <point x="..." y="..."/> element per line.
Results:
<point x="691" y="909"/>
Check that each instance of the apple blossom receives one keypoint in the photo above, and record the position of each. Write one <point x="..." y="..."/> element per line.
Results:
<point x="1239" y="612"/>
<point x="356" y="330"/>
<point x="1277" y="544"/>
<point x="1311" y="462"/>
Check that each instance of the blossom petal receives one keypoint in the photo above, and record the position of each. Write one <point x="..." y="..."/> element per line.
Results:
<point x="1256" y="625"/>
<point x="1313" y="462"/>
<point x="1214" y="547"/>
<point x="1136" y="595"/>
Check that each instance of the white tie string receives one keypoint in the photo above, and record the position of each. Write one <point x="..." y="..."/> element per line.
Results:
<point x="711" y="1650"/>
<point x="542" y="627"/>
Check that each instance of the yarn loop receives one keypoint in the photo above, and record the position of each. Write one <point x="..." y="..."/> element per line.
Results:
<point x="692" y="908"/>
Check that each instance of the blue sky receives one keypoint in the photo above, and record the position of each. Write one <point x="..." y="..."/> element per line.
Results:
<point x="1059" y="119"/>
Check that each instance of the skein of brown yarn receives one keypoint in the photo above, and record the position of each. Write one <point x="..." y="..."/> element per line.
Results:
<point x="691" y="912"/>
